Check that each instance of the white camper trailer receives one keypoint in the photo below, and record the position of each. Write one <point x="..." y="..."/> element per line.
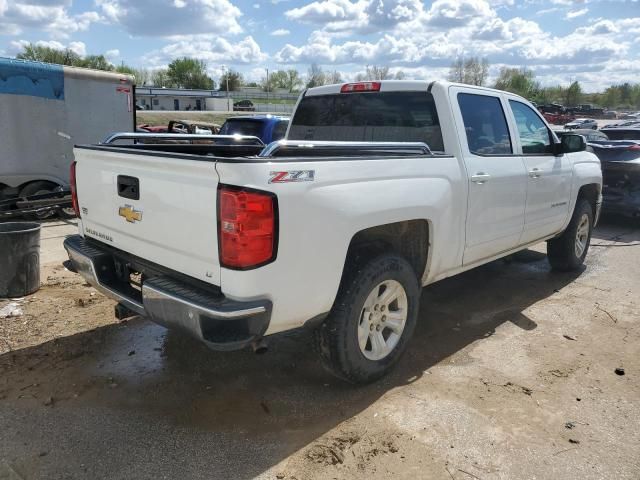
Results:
<point x="45" y="110"/>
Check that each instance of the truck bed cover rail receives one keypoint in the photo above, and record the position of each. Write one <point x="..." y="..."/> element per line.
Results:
<point x="114" y="137"/>
<point x="310" y="147"/>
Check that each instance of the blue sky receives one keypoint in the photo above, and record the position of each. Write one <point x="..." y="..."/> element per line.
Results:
<point x="595" y="42"/>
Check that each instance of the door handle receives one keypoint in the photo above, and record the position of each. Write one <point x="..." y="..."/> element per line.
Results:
<point x="480" y="178"/>
<point x="535" y="173"/>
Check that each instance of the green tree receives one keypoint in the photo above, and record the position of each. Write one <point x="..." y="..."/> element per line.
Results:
<point x="160" y="78"/>
<point x="188" y="72"/>
<point x="573" y="95"/>
<point x="520" y="81"/>
<point x="97" y="62"/>
<point x="294" y="82"/>
<point x="231" y="78"/>
<point x="141" y="75"/>
<point x="277" y="79"/>
<point x="39" y="53"/>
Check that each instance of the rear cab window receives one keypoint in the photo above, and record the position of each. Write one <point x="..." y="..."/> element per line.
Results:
<point x="403" y="116"/>
<point x="485" y="124"/>
<point x="243" y="126"/>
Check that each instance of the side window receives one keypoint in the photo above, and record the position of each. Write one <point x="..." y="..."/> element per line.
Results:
<point x="534" y="134"/>
<point x="279" y="130"/>
<point x="485" y="124"/>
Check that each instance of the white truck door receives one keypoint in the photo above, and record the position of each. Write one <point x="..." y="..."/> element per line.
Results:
<point x="497" y="177"/>
<point x="548" y="175"/>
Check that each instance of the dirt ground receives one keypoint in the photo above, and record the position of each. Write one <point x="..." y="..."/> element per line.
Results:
<point x="510" y="375"/>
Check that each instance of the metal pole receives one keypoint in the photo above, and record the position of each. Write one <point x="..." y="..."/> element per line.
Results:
<point x="267" y="88"/>
<point x="228" y="103"/>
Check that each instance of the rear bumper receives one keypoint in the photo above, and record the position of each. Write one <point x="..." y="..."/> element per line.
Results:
<point x="221" y="323"/>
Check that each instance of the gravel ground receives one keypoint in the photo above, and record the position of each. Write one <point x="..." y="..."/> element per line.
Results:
<point x="511" y="374"/>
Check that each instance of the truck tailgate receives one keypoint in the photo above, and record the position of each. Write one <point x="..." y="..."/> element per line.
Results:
<point x="170" y="220"/>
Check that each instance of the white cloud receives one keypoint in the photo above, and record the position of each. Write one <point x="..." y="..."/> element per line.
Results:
<point x="280" y="32"/>
<point x="364" y="16"/>
<point x="472" y="27"/>
<point x="51" y="16"/>
<point x="576" y="13"/>
<point x="112" y="54"/>
<point x="215" y="51"/>
<point x="327" y="11"/>
<point x="256" y="5"/>
<point x="179" y="19"/>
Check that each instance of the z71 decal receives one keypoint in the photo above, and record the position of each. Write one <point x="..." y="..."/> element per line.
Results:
<point x="292" y="176"/>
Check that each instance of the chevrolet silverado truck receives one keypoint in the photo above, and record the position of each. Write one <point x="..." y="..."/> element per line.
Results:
<point x="379" y="189"/>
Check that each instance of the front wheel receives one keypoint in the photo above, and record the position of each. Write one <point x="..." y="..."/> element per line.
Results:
<point x="372" y="319"/>
<point x="567" y="252"/>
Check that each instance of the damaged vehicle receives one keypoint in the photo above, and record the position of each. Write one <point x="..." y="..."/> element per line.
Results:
<point x="620" y="160"/>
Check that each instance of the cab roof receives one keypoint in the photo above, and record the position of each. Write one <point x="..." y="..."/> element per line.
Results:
<point x="397" y="86"/>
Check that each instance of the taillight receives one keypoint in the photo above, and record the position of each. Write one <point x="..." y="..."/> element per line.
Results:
<point x="634" y="147"/>
<point x="74" y="189"/>
<point x="360" y="87"/>
<point x="247" y="227"/>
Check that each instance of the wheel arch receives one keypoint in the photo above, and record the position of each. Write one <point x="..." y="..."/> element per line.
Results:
<point x="591" y="193"/>
<point x="410" y="239"/>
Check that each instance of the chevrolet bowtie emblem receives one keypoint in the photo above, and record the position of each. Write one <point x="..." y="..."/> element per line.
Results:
<point x="130" y="214"/>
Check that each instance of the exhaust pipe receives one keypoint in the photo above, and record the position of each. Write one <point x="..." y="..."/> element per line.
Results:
<point x="259" y="346"/>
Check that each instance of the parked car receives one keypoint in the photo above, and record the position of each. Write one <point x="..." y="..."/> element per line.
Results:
<point x="582" y="123"/>
<point x="182" y="126"/>
<point x="588" y="134"/>
<point x="620" y="160"/>
<point x="244" y="106"/>
<point x="193" y="127"/>
<point x="558" y="118"/>
<point x="145" y="127"/>
<point x="379" y="189"/>
<point x="267" y="128"/>
<point x="626" y="123"/>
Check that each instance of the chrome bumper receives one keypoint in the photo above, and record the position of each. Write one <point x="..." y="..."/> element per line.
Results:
<point x="220" y="323"/>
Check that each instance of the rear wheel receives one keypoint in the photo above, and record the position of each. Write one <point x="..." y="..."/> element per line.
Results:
<point x="568" y="251"/>
<point x="372" y="320"/>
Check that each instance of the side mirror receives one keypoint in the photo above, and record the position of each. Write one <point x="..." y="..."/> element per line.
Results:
<point x="572" y="143"/>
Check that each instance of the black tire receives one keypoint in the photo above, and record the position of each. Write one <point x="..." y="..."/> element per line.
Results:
<point x="35" y="188"/>
<point x="337" y="338"/>
<point x="561" y="251"/>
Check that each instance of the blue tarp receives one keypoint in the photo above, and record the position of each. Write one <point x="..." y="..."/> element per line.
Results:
<point x="19" y="77"/>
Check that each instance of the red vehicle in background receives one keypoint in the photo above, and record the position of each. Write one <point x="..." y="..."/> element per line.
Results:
<point x="558" y="118"/>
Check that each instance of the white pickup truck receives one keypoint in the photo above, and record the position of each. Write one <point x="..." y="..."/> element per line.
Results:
<point x="379" y="189"/>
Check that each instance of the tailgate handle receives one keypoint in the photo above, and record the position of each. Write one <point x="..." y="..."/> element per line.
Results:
<point x="128" y="187"/>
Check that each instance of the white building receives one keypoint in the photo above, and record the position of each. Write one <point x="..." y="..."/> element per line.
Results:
<point x="151" y="98"/>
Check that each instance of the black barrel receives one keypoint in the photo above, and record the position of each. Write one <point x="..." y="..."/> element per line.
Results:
<point x="19" y="259"/>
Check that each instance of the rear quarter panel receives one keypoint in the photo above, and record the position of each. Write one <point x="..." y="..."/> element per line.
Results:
<point x="318" y="219"/>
